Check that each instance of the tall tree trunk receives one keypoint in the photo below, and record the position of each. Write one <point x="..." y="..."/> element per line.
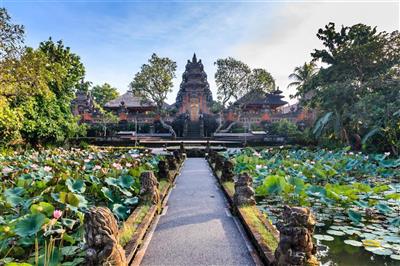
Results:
<point x="165" y="125"/>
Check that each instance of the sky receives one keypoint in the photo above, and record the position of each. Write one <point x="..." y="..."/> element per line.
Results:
<point x="114" y="37"/>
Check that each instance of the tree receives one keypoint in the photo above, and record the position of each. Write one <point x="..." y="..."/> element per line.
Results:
<point x="11" y="36"/>
<point x="302" y="75"/>
<point x="232" y="78"/>
<point x="261" y="80"/>
<point x="362" y="76"/>
<point x="104" y="93"/>
<point x="154" y="82"/>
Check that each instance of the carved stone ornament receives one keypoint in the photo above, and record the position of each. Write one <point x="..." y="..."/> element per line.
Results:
<point x="162" y="169"/>
<point x="244" y="192"/>
<point x="101" y="235"/>
<point x="149" y="187"/>
<point x="296" y="247"/>
<point x="227" y="171"/>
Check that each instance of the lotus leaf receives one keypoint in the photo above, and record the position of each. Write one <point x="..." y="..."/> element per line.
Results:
<point x="75" y="186"/>
<point x="30" y="224"/>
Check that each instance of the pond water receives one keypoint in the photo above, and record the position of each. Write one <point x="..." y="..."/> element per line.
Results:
<point x="337" y="253"/>
<point x="334" y="229"/>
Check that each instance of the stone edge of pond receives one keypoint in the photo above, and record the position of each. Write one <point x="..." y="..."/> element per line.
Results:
<point x="265" y="249"/>
<point x="133" y="245"/>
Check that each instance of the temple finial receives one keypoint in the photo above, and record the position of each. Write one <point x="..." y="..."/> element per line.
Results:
<point x="194" y="60"/>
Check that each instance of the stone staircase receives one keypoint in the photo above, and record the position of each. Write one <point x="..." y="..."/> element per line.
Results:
<point x="193" y="130"/>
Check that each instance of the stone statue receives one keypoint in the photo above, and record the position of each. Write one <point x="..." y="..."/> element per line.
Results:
<point x="172" y="164"/>
<point x="227" y="171"/>
<point x="149" y="187"/>
<point x="244" y="192"/>
<point x="101" y="235"/>
<point x="177" y="156"/>
<point x="296" y="247"/>
<point x="162" y="169"/>
<point x="219" y="162"/>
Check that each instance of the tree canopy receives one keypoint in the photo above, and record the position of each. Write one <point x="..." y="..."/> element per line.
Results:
<point x="104" y="93"/>
<point x="360" y="83"/>
<point x="36" y="89"/>
<point x="154" y="82"/>
<point x="235" y="79"/>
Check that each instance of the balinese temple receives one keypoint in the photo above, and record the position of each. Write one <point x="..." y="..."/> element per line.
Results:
<point x="194" y="97"/>
<point x="193" y="102"/>
<point x="129" y="107"/>
<point x="83" y="106"/>
<point x="191" y="115"/>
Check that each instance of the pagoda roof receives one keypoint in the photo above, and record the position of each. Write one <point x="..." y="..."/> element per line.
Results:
<point x="130" y="100"/>
<point x="255" y="97"/>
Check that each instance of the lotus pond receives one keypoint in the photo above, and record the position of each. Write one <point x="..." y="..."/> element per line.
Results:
<point x="44" y="196"/>
<point x="355" y="198"/>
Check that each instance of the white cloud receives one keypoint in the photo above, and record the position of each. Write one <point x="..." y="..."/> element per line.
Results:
<point x="293" y="34"/>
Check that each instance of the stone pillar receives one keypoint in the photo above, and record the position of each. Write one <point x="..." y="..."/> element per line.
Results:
<point x="102" y="241"/>
<point x="244" y="192"/>
<point x="296" y="247"/>
<point x="149" y="187"/>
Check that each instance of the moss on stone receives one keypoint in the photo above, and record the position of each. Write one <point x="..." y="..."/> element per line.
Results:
<point x="229" y="187"/>
<point x="251" y="215"/>
<point x="128" y="229"/>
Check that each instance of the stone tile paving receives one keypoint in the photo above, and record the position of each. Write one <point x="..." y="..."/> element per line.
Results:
<point x="196" y="230"/>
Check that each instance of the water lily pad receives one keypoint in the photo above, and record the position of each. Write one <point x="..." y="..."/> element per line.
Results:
<point x="324" y="237"/>
<point x="371" y="243"/>
<point x="379" y="251"/>
<point x="353" y="243"/>
<point x="335" y="232"/>
<point x="392" y="239"/>
<point x="395" y="257"/>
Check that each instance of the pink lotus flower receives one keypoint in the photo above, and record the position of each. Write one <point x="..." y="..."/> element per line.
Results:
<point x="117" y="166"/>
<point x="57" y="214"/>
<point x="128" y="165"/>
<point x="6" y="170"/>
<point x="96" y="167"/>
<point x="47" y="168"/>
<point x="34" y="166"/>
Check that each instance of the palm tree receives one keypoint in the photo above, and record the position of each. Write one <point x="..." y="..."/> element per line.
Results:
<point x="302" y="74"/>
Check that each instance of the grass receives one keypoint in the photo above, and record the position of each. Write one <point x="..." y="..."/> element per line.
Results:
<point x="250" y="214"/>
<point x="230" y="187"/>
<point x="162" y="185"/>
<point x="130" y="228"/>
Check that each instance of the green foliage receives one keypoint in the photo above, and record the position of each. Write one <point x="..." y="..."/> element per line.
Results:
<point x="235" y="79"/>
<point x="104" y="93"/>
<point x="358" y="87"/>
<point x="36" y="89"/>
<point x="11" y="37"/>
<point x="44" y="197"/>
<point x="154" y="81"/>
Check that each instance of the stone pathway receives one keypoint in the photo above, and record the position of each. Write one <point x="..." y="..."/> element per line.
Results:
<point x="197" y="228"/>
